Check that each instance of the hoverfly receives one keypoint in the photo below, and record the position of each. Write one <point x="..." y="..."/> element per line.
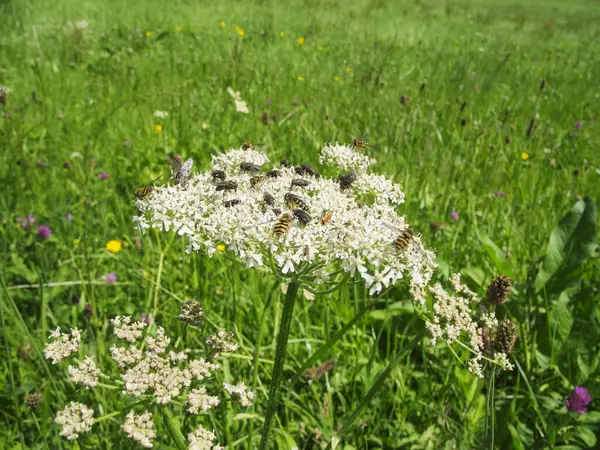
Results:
<point x="283" y="225"/>
<point x="145" y="192"/>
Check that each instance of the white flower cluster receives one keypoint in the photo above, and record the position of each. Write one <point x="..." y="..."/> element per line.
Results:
<point x="453" y="317"/>
<point x="128" y="330"/>
<point x="63" y="345"/>
<point x="240" y="105"/>
<point x="153" y="370"/>
<point x="344" y="157"/>
<point x="240" y="393"/>
<point x="199" y="400"/>
<point x="161" y="114"/>
<point x="202" y="439"/>
<point x="221" y="342"/>
<point x="74" y="420"/>
<point x="337" y="225"/>
<point x="140" y="427"/>
<point x="85" y="373"/>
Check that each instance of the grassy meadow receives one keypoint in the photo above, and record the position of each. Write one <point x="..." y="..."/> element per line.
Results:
<point x="485" y="112"/>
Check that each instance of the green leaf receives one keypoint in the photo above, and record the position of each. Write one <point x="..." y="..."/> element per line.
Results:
<point x="516" y="439"/>
<point x="586" y="435"/>
<point x="561" y="321"/>
<point x="571" y="244"/>
<point x="497" y="256"/>
<point x="476" y="274"/>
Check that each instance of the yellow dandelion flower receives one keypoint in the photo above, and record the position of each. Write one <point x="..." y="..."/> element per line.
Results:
<point x="281" y="34"/>
<point x="348" y="69"/>
<point x="113" y="246"/>
<point x="180" y="28"/>
<point x="320" y="48"/>
<point x="148" y="33"/>
<point x="300" y="40"/>
<point x="524" y="156"/>
<point x="336" y="78"/>
<point x="239" y="31"/>
<point x="220" y="248"/>
<point x="76" y="242"/>
<point x="158" y="128"/>
<point x="222" y="24"/>
<point x="300" y="78"/>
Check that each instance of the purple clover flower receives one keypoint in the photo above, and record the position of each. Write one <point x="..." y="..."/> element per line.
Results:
<point x="127" y="143"/>
<point x="578" y="400"/>
<point x="269" y="101"/>
<point x="578" y="125"/>
<point x="454" y="215"/>
<point x="44" y="231"/>
<point x="26" y="222"/>
<point x="500" y="194"/>
<point x="103" y="175"/>
<point x="69" y="217"/>
<point x="110" y="278"/>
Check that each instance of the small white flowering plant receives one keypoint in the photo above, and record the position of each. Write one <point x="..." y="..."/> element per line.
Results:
<point x="315" y="233"/>
<point x="151" y="377"/>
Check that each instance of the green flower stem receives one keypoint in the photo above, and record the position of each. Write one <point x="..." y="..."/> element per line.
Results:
<point x="173" y="428"/>
<point x="277" y="374"/>
<point x="107" y="416"/>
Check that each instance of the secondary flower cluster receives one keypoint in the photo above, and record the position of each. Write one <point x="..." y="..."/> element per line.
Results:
<point x="453" y="317"/>
<point x="291" y="220"/>
<point x="150" y="371"/>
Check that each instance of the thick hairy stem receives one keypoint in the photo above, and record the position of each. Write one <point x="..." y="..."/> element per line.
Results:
<point x="277" y="375"/>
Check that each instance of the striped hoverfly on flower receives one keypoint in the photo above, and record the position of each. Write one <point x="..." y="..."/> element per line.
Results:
<point x="144" y="192"/>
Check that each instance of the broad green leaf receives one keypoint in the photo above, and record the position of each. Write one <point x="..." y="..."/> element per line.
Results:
<point x="476" y="274"/>
<point x="443" y="267"/>
<point x="587" y="436"/>
<point x="561" y="321"/>
<point x="571" y="244"/>
<point x="496" y="254"/>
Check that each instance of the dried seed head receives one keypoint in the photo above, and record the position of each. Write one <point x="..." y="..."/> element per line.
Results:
<point x="486" y="336"/>
<point x="464" y="121"/>
<point x="499" y="290"/>
<point x="4" y="91"/>
<point x="436" y="226"/>
<point x="506" y="337"/>
<point x="34" y="400"/>
<point x="191" y="313"/>
<point x="265" y="117"/>
<point x="404" y="100"/>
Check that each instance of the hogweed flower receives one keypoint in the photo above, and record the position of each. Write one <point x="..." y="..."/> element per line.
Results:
<point x="63" y="345"/>
<point x="85" y="373"/>
<point x="499" y="290"/>
<point x="128" y="330"/>
<point x="357" y="239"/>
<point x="452" y="317"/>
<point x="75" y="419"/>
<point x="221" y="342"/>
<point x="199" y="400"/>
<point x="240" y="105"/>
<point x="191" y="312"/>
<point x="140" y="428"/>
<point x="240" y="393"/>
<point x="578" y="400"/>
<point x="202" y="439"/>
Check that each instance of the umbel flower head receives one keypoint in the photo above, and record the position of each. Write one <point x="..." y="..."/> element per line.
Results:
<point x="75" y="419"/>
<point x="452" y="318"/>
<point x="191" y="312"/>
<point x="292" y="222"/>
